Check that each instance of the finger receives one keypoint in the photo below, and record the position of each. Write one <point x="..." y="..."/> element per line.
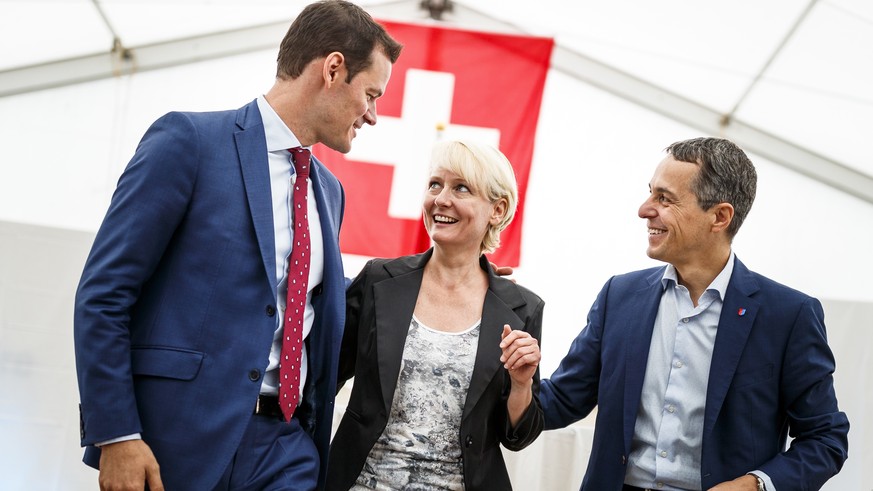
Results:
<point x="153" y="477"/>
<point x="527" y="354"/>
<point x="513" y="355"/>
<point x="512" y="336"/>
<point x="502" y="270"/>
<point x="503" y="343"/>
<point x="531" y="359"/>
<point x="506" y="331"/>
<point x="514" y="341"/>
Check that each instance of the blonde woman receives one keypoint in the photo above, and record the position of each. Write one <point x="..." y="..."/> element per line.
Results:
<point x="443" y="351"/>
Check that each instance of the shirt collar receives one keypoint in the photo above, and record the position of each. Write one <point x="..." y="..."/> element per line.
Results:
<point x="278" y="135"/>
<point x="719" y="284"/>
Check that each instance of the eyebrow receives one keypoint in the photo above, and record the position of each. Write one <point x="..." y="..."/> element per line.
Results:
<point x="662" y="190"/>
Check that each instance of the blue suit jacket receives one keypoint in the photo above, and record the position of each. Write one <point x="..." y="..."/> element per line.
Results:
<point x="175" y="311"/>
<point x="771" y="376"/>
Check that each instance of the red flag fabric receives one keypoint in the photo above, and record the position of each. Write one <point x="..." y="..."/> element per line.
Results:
<point x="447" y="83"/>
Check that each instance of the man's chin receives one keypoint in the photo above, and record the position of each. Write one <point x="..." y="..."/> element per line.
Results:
<point x="343" y="147"/>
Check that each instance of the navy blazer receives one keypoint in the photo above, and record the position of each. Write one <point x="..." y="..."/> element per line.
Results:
<point x="381" y="301"/>
<point x="771" y="376"/>
<point x="176" y="308"/>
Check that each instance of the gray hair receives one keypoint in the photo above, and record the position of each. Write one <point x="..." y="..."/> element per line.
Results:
<point x="726" y="175"/>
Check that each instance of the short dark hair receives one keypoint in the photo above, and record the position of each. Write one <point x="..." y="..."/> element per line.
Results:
<point x="333" y="25"/>
<point x="726" y="175"/>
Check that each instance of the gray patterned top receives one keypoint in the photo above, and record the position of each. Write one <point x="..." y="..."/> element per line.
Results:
<point x="420" y="448"/>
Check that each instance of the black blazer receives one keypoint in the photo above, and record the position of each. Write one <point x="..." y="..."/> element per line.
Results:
<point x="380" y="303"/>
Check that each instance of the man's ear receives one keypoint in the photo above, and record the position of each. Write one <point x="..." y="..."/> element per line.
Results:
<point x="722" y="216"/>
<point x="334" y="68"/>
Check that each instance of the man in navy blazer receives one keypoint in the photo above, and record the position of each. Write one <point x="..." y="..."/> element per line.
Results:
<point x="701" y="369"/>
<point x="178" y="312"/>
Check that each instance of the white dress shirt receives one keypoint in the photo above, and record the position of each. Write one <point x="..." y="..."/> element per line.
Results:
<point x="282" y="176"/>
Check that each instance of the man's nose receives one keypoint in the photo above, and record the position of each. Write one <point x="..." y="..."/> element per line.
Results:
<point x="370" y="115"/>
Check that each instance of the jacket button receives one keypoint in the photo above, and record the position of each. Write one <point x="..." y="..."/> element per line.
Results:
<point x="254" y="375"/>
<point x="271" y="311"/>
<point x="469" y="441"/>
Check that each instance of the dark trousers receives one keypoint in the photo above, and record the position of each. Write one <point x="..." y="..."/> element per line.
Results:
<point x="272" y="456"/>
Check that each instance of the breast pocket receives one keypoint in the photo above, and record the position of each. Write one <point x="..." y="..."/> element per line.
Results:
<point x="753" y="376"/>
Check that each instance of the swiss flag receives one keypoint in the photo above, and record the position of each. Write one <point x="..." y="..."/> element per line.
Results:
<point x="447" y="83"/>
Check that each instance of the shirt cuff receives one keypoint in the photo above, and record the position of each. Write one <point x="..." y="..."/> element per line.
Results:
<point x="768" y="484"/>
<point x="135" y="436"/>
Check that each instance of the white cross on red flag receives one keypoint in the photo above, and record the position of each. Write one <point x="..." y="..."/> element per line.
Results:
<point x="447" y="83"/>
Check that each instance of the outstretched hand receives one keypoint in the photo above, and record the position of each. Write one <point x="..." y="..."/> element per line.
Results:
<point x="521" y="354"/>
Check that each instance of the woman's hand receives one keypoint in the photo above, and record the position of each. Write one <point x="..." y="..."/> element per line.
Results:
<point x="521" y="355"/>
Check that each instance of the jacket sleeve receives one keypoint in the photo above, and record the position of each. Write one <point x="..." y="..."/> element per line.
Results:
<point x="148" y="204"/>
<point x="531" y="423"/>
<point x="819" y="431"/>
<point x="570" y="394"/>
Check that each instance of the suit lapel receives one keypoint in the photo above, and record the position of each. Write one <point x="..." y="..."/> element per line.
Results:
<point x="330" y="222"/>
<point x="495" y="313"/>
<point x="327" y="337"/>
<point x="501" y="299"/>
<point x="252" y="153"/>
<point x="638" y="323"/>
<point x="737" y="317"/>
<point x="395" y="299"/>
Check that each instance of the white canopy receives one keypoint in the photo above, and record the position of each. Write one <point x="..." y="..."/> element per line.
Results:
<point x="791" y="81"/>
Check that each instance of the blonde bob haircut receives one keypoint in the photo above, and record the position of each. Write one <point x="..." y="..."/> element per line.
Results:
<point x="489" y="174"/>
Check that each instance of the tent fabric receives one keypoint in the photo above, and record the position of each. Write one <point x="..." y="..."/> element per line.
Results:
<point x="635" y="77"/>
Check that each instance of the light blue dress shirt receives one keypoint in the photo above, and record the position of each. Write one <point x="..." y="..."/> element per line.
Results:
<point x="666" y="446"/>
<point x="667" y="442"/>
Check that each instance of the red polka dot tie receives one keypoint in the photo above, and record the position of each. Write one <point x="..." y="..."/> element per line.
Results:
<point x="298" y="278"/>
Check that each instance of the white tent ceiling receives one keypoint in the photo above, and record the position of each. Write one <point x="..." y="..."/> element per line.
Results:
<point x="791" y="80"/>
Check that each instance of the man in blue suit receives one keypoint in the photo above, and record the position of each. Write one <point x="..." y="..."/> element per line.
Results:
<point x="701" y="369"/>
<point x="178" y="321"/>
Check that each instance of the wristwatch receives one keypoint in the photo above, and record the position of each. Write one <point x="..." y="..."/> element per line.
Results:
<point x="761" y="486"/>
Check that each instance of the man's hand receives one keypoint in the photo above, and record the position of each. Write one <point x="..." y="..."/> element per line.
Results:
<point x="521" y="355"/>
<point x="743" y="483"/>
<point x="502" y="270"/>
<point x="128" y="466"/>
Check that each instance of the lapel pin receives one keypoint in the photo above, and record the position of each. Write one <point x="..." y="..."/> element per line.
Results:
<point x="741" y="312"/>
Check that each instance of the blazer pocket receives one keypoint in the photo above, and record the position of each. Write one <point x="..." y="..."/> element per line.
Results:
<point x="175" y="363"/>
<point x="753" y="376"/>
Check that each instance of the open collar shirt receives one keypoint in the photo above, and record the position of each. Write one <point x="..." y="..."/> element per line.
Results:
<point x="666" y="447"/>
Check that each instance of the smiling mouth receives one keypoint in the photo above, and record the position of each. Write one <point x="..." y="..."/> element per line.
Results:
<point x="444" y="219"/>
<point x="655" y="231"/>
